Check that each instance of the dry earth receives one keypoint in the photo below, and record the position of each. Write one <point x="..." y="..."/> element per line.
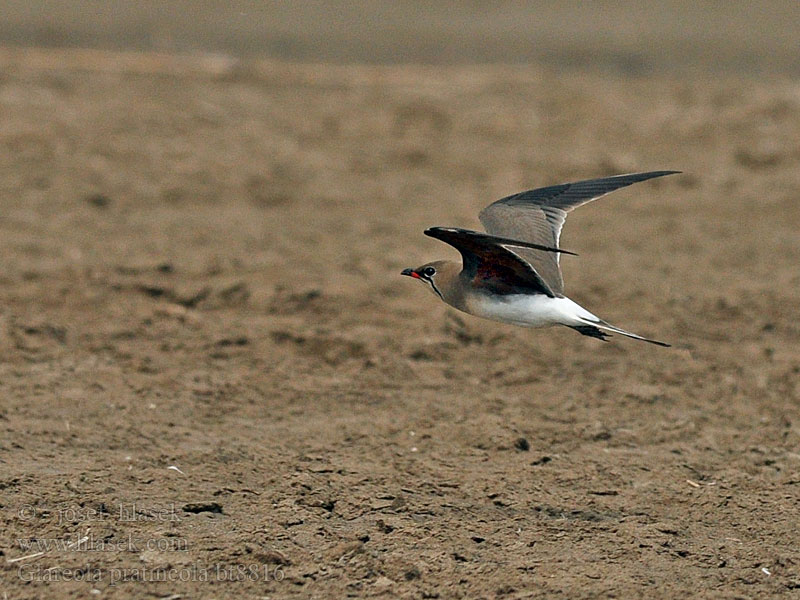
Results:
<point x="214" y="382"/>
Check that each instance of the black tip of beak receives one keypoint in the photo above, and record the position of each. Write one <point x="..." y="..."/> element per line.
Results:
<point x="407" y="272"/>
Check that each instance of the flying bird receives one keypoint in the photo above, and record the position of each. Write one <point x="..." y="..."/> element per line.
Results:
<point x="511" y="273"/>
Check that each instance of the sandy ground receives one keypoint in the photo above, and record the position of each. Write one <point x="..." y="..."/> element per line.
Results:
<point x="215" y="383"/>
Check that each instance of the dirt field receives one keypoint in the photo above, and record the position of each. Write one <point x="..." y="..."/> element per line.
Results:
<point x="215" y="383"/>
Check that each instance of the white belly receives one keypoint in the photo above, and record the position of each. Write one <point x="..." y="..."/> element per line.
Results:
<point x="535" y="310"/>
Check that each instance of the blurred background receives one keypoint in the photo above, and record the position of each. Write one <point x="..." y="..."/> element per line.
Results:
<point x="627" y="36"/>
<point x="200" y="269"/>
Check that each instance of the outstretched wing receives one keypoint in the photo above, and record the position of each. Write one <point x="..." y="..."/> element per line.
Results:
<point x="489" y="262"/>
<point x="538" y="215"/>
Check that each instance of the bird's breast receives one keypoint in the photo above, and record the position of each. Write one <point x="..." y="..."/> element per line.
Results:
<point x="527" y="310"/>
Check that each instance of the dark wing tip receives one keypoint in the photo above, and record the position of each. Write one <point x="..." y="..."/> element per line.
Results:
<point x="435" y="231"/>
<point x="650" y="174"/>
<point x="605" y="185"/>
<point x="443" y="233"/>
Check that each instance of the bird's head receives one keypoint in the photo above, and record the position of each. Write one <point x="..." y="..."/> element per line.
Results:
<point x="435" y="275"/>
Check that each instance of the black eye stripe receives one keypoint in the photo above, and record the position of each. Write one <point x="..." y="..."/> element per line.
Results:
<point x="435" y="289"/>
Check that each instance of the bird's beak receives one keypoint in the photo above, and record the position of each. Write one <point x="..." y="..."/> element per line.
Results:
<point x="410" y="273"/>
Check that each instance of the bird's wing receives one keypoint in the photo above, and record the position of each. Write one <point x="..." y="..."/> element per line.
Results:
<point x="538" y="215"/>
<point x="490" y="263"/>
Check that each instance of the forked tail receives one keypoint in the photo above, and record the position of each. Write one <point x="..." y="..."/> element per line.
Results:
<point x="595" y="329"/>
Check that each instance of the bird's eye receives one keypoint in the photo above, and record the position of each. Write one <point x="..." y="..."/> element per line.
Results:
<point x="429" y="271"/>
